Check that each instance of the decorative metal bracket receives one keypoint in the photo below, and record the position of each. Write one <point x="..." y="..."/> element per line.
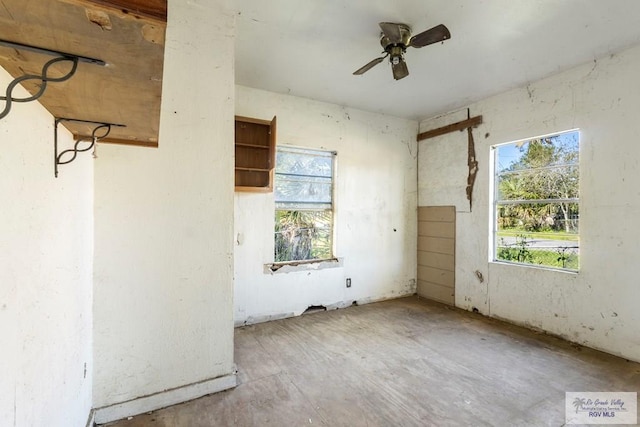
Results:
<point x="44" y="76"/>
<point x="100" y="131"/>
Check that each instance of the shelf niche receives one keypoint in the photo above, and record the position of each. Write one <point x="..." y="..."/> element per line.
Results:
<point x="255" y="146"/>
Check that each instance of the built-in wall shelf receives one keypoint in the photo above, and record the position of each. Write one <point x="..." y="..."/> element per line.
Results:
<point x="255" y="146"/>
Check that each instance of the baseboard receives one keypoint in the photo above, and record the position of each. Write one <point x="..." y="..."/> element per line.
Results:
<point x="163" y="399"/>
<point x="252" y="320"/>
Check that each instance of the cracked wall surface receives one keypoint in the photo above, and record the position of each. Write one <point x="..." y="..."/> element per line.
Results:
<point x="375" y="211"/>
<point x="602" y="99"/>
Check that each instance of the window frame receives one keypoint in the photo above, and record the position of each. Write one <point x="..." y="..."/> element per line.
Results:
<point x="332" y="155"/>
<point x="496" y="201"/>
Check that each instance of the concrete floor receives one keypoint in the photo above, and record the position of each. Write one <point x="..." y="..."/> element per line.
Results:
<point x="406" y="362"/>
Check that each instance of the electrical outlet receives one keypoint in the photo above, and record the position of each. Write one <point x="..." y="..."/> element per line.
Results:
<point x="348" y="282"/>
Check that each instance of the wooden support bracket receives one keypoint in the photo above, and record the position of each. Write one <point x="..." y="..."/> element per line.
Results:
<point x="472" y="163"/>
<point x="465" y="124"/>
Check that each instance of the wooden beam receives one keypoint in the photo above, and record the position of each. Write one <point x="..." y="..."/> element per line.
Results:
<point x="130" y="142"/>
<point x="154" y="9"/>
<point x="468" y="123"/>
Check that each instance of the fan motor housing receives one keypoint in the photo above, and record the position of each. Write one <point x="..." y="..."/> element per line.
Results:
<point x="405" y="33"/>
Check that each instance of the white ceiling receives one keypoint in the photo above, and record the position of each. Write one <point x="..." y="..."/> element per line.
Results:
<point x="310" y="48"/>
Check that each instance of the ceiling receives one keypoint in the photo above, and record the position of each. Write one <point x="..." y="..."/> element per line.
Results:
<point x="311" y="48"/>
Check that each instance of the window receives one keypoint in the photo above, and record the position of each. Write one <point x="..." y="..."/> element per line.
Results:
<point x="536" y="201"/>
<point x="304" y="204"/>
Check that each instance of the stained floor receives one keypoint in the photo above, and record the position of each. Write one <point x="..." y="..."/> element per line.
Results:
<point x="403" y="362"/>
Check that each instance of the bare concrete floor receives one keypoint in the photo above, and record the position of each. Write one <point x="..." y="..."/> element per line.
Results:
<point x="405" y="362"/>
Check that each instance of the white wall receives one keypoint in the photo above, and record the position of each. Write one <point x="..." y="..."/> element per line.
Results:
<point x="375" y="210"/>
<point x="46" y="251"/>
<point x="164" y="224"/>
<point x="598" y="306"/>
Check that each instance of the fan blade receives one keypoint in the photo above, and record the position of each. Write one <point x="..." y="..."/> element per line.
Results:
<point x="400" y="70"/>
<point x="436" y="34"/>
<point x="392" y="31"/>
<point x="369" y="66"/>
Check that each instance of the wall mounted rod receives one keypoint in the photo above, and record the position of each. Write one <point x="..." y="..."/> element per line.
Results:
<point x="44" y="76"/>
<point x="21" y="46"/>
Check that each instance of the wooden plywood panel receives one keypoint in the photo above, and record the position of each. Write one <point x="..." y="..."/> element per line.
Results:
<point x="436" y="244"/>
<point x="436" y="292"/>
<point x="436" y="213"/>
<point x="437" y="229"/>
<point x="436" y="275"/>
<point x="156" y="9"/>
<point x="436" y="253"/>
<point x="435" y="260"/>
<point x="126" y="91"/>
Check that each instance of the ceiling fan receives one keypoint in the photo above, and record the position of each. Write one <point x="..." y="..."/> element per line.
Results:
<point x="396" y="38"/>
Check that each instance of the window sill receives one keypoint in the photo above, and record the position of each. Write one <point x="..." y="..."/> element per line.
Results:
<point x="535" y="266"/>
<point x="293" y="266"/>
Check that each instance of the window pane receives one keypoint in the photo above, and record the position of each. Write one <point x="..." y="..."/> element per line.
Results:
<point x="303" y="195"/>
<point x="540" y="234"/>
<point x="538" y="217"/>
<point x="303" y="162"/>
<point x="551" y="182"/>
<point x="303" y="235"/>
<point x="536" y="202"/>
<point x="302" y="189"/>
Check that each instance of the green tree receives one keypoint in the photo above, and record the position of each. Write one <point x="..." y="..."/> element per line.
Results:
<point x="547" y="169"/>
<point x="302" y="235"/>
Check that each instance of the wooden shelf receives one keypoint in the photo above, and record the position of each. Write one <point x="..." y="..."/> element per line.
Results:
<point x="241" y="168"/>
<point x="129" y="35"/>
<point x="242" y="144"/>
<point x="255" y="146"/>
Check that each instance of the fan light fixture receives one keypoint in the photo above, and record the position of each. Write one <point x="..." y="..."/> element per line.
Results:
<point x="395" y="39"/>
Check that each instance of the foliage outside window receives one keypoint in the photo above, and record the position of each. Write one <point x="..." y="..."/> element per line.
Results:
<point x="304" y="204"/>
<point x="536" y="201"/>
